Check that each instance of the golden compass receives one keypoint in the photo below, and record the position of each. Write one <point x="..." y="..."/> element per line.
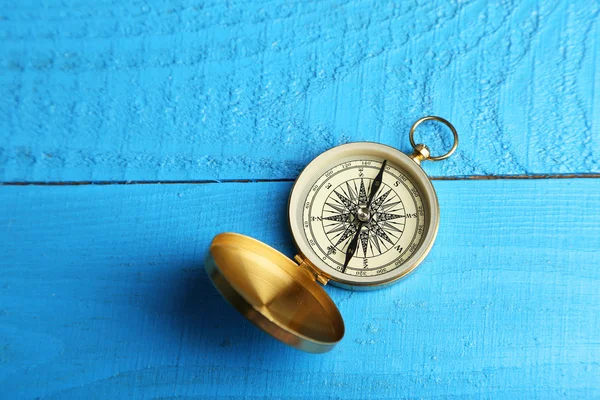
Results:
<point x="362" y="216"/>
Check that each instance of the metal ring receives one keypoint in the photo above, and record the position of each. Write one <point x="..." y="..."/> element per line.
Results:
<point x="443" y="121"/>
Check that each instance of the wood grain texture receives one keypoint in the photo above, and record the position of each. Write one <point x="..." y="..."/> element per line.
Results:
<point x="103" y="295"/>
<point x="148" y="90"/>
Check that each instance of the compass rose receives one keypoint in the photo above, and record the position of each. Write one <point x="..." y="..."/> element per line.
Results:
<point x="342" y="217"/>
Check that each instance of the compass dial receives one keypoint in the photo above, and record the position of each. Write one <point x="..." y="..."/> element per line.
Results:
<point x="348" y="212"/>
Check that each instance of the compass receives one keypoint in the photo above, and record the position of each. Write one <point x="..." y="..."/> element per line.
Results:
<point x="362" y="216"/>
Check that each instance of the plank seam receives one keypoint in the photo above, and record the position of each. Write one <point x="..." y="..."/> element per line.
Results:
<point x="212" y="181"/>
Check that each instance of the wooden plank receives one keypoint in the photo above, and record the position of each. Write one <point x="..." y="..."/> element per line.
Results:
<point x="132" y="90"/>
<point x="103" y="294"/>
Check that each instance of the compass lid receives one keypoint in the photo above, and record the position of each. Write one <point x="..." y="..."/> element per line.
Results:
<point x="274" y="293"/>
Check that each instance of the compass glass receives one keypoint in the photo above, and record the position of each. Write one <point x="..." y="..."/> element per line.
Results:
<point x="386" y="220"/>
<point x="363" y="215"/>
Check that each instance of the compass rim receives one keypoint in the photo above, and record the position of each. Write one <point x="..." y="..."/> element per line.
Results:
<point x="316" y="167"/>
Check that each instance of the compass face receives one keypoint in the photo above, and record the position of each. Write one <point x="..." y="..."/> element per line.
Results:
<point x="365" y="210"/>
<point x="363" y="215"/>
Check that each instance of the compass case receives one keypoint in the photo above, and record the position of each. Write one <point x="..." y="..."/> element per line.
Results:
<point x="334" y="158"/>
<point x="274" y="293"/>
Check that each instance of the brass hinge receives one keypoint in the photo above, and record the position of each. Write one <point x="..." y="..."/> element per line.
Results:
<point x="308" y="266"/>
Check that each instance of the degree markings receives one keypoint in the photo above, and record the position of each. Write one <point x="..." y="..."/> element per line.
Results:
<point x="381" y="236"/>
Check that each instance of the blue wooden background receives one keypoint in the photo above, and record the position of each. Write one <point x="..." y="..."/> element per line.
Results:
<point x="132" y="132"/>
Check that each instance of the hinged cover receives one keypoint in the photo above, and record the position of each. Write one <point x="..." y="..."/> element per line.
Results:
<point x="274" y="293"/>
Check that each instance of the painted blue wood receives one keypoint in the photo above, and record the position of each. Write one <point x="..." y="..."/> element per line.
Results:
<point x="148" y="90"/>
<point x="103" y="295"/>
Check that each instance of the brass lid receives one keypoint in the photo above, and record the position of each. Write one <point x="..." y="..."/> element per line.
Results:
<point x="274" y="293"/>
